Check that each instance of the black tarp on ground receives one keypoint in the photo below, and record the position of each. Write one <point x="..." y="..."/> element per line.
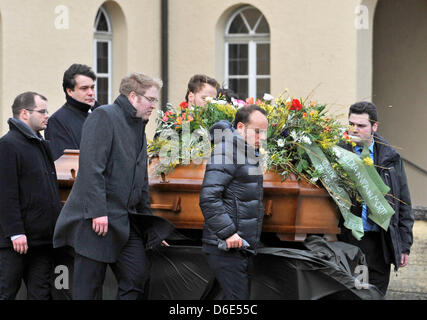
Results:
<point x="321" y="270"/>
<point x="314" y="269"/>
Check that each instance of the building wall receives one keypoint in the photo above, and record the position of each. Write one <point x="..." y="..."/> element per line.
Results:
<point x="399" y="84"/>
<point x="36" y="53"/>
<point x="313" y="45"/>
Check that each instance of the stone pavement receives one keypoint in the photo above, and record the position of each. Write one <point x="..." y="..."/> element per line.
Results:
<point x="411" y="281"/>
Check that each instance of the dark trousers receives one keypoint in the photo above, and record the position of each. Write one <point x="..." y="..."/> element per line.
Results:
<point x="35" y="268"/>
<point x="64" y="256"/>
<point x="231" y="271"/>
<point x="131" y="271"/>
<point x="379" y="270"/>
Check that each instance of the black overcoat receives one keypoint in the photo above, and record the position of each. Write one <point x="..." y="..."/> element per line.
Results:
<point x="29" y="199"/>
<point x="112" y="181"/>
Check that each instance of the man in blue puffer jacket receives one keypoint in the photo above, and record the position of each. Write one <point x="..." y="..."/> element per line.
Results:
<point x="231" y="200"/>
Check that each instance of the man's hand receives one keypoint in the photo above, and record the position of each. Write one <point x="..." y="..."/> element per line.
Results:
<point x="20" y="244"/>
<point x="404" y="260"/>
<point x="100" y="225"/>
<point x="234" y="241"/>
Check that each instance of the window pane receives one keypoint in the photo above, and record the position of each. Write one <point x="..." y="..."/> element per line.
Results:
<point x="262" y="86"/>
<point x="238" y="26"/>
<point x="102" y="57"/>
<point x="263" y="59"/>
<point x="263" y="26"/>
<point x="252" y="16"/>
<point x="102" y="23"/>
<point x="102" y="90"/>
<point x="238" y="59"/>
<point x="239" y="86"/>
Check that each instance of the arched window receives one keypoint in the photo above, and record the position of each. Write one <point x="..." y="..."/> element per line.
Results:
<point x="103" y="38"/>
<point x="247" y="53"/>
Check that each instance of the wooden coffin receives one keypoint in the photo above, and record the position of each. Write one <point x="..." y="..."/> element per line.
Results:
<point x="293" y="208"/>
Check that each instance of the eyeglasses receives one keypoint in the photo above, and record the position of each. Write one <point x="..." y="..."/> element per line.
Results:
<point x="149" y="99"/>
<point x="41" y="111"/>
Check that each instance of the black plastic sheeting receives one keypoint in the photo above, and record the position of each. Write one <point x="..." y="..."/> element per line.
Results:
<point x="317" y="270"/>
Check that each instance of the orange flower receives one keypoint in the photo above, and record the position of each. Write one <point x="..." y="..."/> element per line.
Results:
<point x="178" y="120"/>
<point x="327" y="129"/>
<point x="345" y="135"/>
<point x="190" y="118"/>
<point x="250" y="100"/>
<point x="305" y="114"/>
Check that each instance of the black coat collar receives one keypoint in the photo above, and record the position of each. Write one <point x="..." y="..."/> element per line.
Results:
<point x="129" y="110"/>
<point x="15" y="124"/>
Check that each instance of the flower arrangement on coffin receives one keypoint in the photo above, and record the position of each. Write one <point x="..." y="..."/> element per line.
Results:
<point x="182" y="134"/>
<point x="301" y="140"/>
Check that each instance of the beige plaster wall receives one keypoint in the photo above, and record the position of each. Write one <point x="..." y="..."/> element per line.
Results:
<point x="399" y="84"/>
<point x="36" y="53"/>
<point x="313" y="44"/>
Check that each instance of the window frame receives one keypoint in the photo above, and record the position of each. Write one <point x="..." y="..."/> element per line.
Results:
<point x="103" y="37"/>
<point x="252" y="39"/>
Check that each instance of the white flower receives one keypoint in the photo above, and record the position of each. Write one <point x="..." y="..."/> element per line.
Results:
<point x="222" y="102"/>
<point x="314" y="179"/>
<point x="281" y="143"/>
<point x="267" y="97"/>
<point x="306" y="140"/>
<point x="209" y="99"/>
<point x="294" y="135"/>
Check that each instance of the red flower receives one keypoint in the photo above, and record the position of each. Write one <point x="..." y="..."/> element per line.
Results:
<point x="296" y="105"/>
<point x="250" y="100"/>
<point x="184" y="105"/>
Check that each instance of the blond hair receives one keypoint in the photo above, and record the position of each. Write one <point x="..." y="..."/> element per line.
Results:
<point x="138" y="83"/>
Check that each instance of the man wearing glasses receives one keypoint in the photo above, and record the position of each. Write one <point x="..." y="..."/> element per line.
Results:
<point x="29" y="201"/>
<point x="107" y="218"/>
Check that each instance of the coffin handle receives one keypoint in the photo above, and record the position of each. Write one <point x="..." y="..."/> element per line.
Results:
<point x="268" y="210"/>
<point x="175" y="206"/>
<point x="73" y="174"/>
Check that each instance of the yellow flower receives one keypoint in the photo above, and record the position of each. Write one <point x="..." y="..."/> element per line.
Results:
<point x="326" y="143"/>
<point x="368" y="161"/>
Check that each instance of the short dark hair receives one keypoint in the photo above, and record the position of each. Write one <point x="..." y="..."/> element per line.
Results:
<point x="25" y="101"/>
<point x="228" y="94"/>
<point x="365" y="107"/>
<point x="69" y="81"/>
<point x="197" y="81"/>
<point x="243" y="114"/>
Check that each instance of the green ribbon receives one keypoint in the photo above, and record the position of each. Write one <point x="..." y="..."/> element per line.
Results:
<point x="369" y="185"/>
<point x="340" y="196"/>
<point x="372" y="172"/>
